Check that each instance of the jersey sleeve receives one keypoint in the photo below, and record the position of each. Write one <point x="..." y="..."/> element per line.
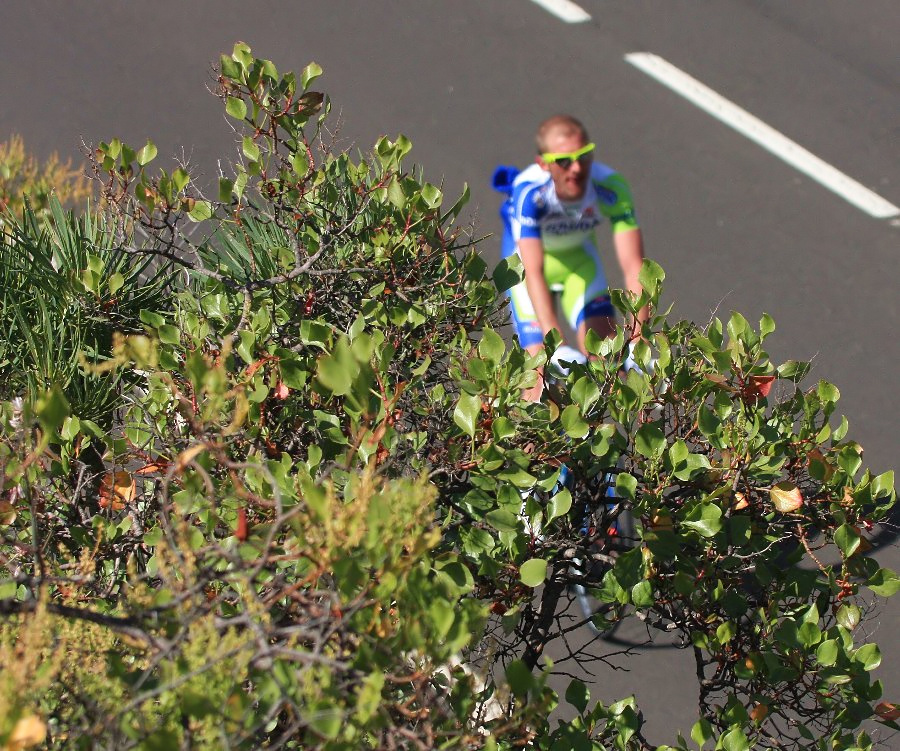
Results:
<point x="616" y="202"/>
<point x="527" y="210"/>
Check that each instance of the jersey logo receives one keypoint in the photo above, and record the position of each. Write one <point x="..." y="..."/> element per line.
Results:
<point x="606" y="195"/>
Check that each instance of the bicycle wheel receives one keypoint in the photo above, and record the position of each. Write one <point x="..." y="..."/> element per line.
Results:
<point x="603" y="618"/>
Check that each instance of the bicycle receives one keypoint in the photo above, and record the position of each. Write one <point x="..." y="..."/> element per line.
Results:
<point x="606" y="527"/>
<point x="618" y="532"/>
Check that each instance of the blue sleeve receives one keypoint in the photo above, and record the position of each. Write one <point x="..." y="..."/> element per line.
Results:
<point x="527" y="210"/>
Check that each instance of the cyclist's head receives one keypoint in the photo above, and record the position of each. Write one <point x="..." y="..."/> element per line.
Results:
<point x="564" y="151"/>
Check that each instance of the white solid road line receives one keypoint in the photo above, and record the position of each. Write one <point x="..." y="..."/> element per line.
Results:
<point x="564" y="10"/>
<point x="769" y="138"/>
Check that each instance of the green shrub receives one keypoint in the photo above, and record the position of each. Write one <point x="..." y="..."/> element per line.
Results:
<point x="306" y="526"/>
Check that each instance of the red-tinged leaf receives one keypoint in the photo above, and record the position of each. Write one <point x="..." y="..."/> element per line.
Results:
<point x="241" y="531"/>
<point x="152" y="468"/>
<point x="759" y="385"/>
<point x="888" y="711"/>
<point x="718" y="379"/>
<point x="819" y="465"/>
<point x="759" y="713"/>
<point x="786" y="497"/>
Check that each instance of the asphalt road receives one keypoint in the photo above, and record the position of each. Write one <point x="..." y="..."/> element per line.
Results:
<point x="467" y="81"/>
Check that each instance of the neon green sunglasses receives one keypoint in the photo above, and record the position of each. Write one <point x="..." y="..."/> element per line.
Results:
<point x="565" y="159"/>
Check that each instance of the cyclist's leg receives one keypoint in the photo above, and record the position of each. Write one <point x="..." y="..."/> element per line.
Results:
<point x="528" y="331"/>
<point x="585" y="297"/>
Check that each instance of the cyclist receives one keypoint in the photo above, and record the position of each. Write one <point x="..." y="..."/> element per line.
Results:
<point x="551" y="217"/>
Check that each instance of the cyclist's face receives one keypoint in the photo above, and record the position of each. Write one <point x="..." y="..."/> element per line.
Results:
<point x="570" y="182"/>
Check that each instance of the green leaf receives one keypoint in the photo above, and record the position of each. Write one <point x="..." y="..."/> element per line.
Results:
<point x="848" y="616"/>
<point x="735" y="740"/>
<point x="642" y="594"/>
<point x="705" y="519"/>
<point x="242" y="54"/>
<point x="52" y="408"/>
<point x="828" y="392"/>
<point x="115" y="283"/>
<point x="226" y="187"/>
<point x="154" y="320"/>
<point x="250" y="149"/>
<point x="883" y="485"/>
<point x="432" y="196"/>
<point x="502" y="520"/>
<point x="725" y="632"/>
<point x="626" y="485"/>
<point x="229" y="68"/>
<point x="793" y="370"/>
<point x="491" y="347"/>
<point x="169" y="334"/>
<point x="442" y="616"/>
<point x="650" y="440"/>
<point x="467" y="411"/>
<point x="300" y="161"/>
<point x="847" y="539"/>
<point x="533" y="572"/>
<point x="310" y="73"/>
<point x="559" y="505"/>
<point x="180" y="178"/>
<point x="326" y="719"/>
<point x="585" y="392"/>
<point x="884" y="582"/>
<point x="702" y="732"/>
<point x="509" y="273"/>
<point x="651" y="276"/>
<point x="146" y="154"/>
<point x="201" y="211"/>
<point x="519" y="677"/>
<point x="573" y="423"/>
<point x="334" y="371"/>
<point x="368" y="698"/>
<point x="578" y="695"/>
<point x="235" y="107"/>
<point x="869" y="656"/>
<point x="827" y="652"/>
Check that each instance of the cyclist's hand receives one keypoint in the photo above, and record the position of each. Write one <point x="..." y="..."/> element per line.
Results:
<point x="631" y="364"/>
<point x="564" y="357"/>
<point x="533" y="394"/>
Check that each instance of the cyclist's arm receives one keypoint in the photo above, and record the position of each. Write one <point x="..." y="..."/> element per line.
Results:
<point x="627" y="236"/>
<point x="630" y="252"/>
<point x="531" y="251"/>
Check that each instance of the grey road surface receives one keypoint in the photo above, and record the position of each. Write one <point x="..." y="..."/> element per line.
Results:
<point x="467" y="80"/>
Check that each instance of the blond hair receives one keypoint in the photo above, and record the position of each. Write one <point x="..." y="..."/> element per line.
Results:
<point x="566" y="124"/>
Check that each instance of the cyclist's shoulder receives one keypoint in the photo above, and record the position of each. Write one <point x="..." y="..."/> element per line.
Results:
<point x="530" y="188"/>
<point x="530" y="178"/>
<point x="609" y="184"/>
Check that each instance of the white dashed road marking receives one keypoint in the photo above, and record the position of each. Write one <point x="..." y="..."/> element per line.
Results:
<point x="564" y="10"/>
<point x="769" y="138"/>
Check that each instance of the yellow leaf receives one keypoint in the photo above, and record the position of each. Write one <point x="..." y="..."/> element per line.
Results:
<point x="117" y="489"/>
<point x="786" y="497"/>
<point x="188" y="455"/>
<point x="29" y="731"/>
<point x="740" y="501"/>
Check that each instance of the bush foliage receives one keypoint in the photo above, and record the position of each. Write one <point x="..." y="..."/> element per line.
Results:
<point x="264" y="467"/>
<point x="24" y="181"/>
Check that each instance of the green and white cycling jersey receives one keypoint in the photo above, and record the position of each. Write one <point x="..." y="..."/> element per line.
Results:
<point x="567" y="230"/>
